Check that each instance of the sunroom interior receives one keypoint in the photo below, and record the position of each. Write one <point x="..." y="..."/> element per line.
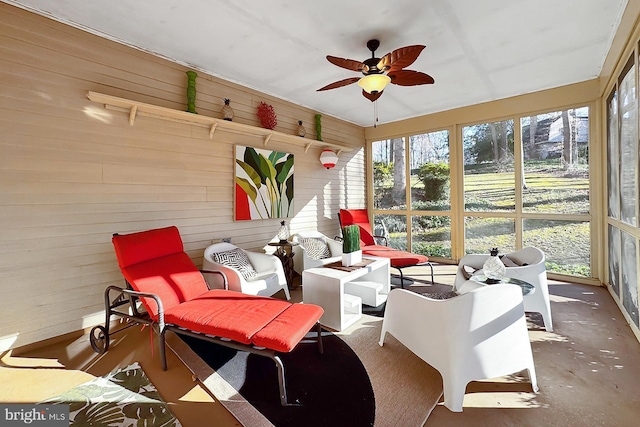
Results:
<point x="77" y="169"/>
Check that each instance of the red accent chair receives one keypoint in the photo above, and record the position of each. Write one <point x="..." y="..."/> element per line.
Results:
<point x="398" y="259"/>
<point x="175" y="296"/>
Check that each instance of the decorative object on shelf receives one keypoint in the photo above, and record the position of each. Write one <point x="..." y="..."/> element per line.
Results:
<point x="191" y="92"/>
<point x="319" y="127"/>
<point x="263" y="184"/>
<point x="328" y="158"/>
<point x="134" y="109"/>
<point x="267" y="116"/>
<point x="351" y="253"/>
<point x="283" y="232"/>
<point x="227" y="111"/>
<point x="493" y="267"/>
<point x="301" y="130"/>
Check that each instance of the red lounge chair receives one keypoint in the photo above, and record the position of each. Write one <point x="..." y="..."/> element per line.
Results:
<point x="176" y="298"/>
<point x="398" y="259"/>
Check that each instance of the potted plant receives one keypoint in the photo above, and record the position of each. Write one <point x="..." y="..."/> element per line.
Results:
<point x="351" y="253"/>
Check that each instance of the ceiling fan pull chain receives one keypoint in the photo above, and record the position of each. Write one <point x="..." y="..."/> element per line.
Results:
<point x="375" y="114"/>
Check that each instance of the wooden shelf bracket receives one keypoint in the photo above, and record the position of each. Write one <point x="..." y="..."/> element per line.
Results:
<point x="212" y="130"/>
<point x="132" y="114"/>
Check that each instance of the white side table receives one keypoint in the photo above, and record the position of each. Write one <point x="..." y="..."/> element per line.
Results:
<point x="326" y="288"/>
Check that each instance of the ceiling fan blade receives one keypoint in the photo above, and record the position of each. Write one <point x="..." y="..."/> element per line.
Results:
<point x="400" y="58"/>
<point x="349" y="64"/>
<point x="371" y="96"/>
<point x="410" y="78"/>
<point x="339" y="83"/>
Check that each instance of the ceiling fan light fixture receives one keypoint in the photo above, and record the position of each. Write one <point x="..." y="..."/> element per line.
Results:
<point x="374" y="83"/>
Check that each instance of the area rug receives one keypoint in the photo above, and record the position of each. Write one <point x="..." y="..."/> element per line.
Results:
<point x="329" y="389"/>
<point x="405" y="388"/>
<point x="125" y="397"/>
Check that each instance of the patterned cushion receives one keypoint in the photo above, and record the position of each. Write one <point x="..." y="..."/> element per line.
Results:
<point x="236" y="258"/>
<point x="440" y="295"/>
<point x="315" y="247"/>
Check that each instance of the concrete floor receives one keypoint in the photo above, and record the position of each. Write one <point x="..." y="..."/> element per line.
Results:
<point x="587" y="369"/>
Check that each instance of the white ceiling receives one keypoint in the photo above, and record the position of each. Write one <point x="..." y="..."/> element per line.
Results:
<point x="477" y="50"/>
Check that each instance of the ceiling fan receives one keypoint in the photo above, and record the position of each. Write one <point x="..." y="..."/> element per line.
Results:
<point x="378" y="72"/>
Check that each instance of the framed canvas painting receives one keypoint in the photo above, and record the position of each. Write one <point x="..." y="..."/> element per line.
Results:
<point x="263" y="184"/>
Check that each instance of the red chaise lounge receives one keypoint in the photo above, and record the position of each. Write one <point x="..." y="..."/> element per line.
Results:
<point x="398" y="259"/>
<point x="176" y="298"/>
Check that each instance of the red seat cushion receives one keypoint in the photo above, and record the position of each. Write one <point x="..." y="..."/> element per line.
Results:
<point x="143" y="246"/>
<point x="285" y="331"/>
<point x="174" y="278"/>
<point x="359" y="217"/>
<point x="154" y="261"/>
<point x="397" y="258"/>
<point x="227" y="314"/>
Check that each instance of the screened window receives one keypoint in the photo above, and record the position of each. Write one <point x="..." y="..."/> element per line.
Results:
<point x="412" y="192"/>
<point x="389" y="174"/>
<point x="555" y="150"/>
<point x="489" y="180"/>
<point x="628" y="115"/>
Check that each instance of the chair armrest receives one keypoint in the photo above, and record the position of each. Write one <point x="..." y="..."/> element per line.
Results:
<point x="474" y="260"/>
<point x="132" y="293"/>
<point x="225" y="282"/>
<point x="233" y="279"/>
<point x="386" y="242"/>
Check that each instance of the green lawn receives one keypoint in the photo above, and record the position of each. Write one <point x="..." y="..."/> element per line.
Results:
<point x="549" y="189"/>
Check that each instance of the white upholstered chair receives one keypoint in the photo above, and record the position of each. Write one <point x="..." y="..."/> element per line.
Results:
<point x="478" y="335"/>
<point x="526" y="264"/>
<point x="263" y="276"/>
<point x="314" y="250"/>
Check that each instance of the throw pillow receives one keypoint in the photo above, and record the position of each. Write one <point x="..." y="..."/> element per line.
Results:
<point x="236" y="258"/>
<point x="315" y="247"/>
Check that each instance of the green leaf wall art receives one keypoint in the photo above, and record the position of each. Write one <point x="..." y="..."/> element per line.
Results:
<point x="263" y="184"/>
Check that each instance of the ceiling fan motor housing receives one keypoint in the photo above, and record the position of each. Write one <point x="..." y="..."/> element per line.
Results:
<point x="371" y="66"/>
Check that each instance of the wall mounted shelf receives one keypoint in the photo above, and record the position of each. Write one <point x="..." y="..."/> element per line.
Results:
<point x="135" y="109"/>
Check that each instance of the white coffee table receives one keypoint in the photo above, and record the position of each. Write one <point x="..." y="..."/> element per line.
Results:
<point x="341" y="293"/>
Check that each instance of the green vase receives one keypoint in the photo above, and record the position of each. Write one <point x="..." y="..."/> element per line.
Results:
<point x="191" y="92"/>
<point x="319" y="127"/>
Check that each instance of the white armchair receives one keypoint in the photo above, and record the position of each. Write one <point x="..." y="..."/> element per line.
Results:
<point x="526" y="264"/>
<point x="478" y="335"/>
<point x="263" y="276"/>
<point x="314" y="250"/>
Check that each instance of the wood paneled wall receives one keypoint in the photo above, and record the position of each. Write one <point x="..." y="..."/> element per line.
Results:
<point x="72" y="173"/>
